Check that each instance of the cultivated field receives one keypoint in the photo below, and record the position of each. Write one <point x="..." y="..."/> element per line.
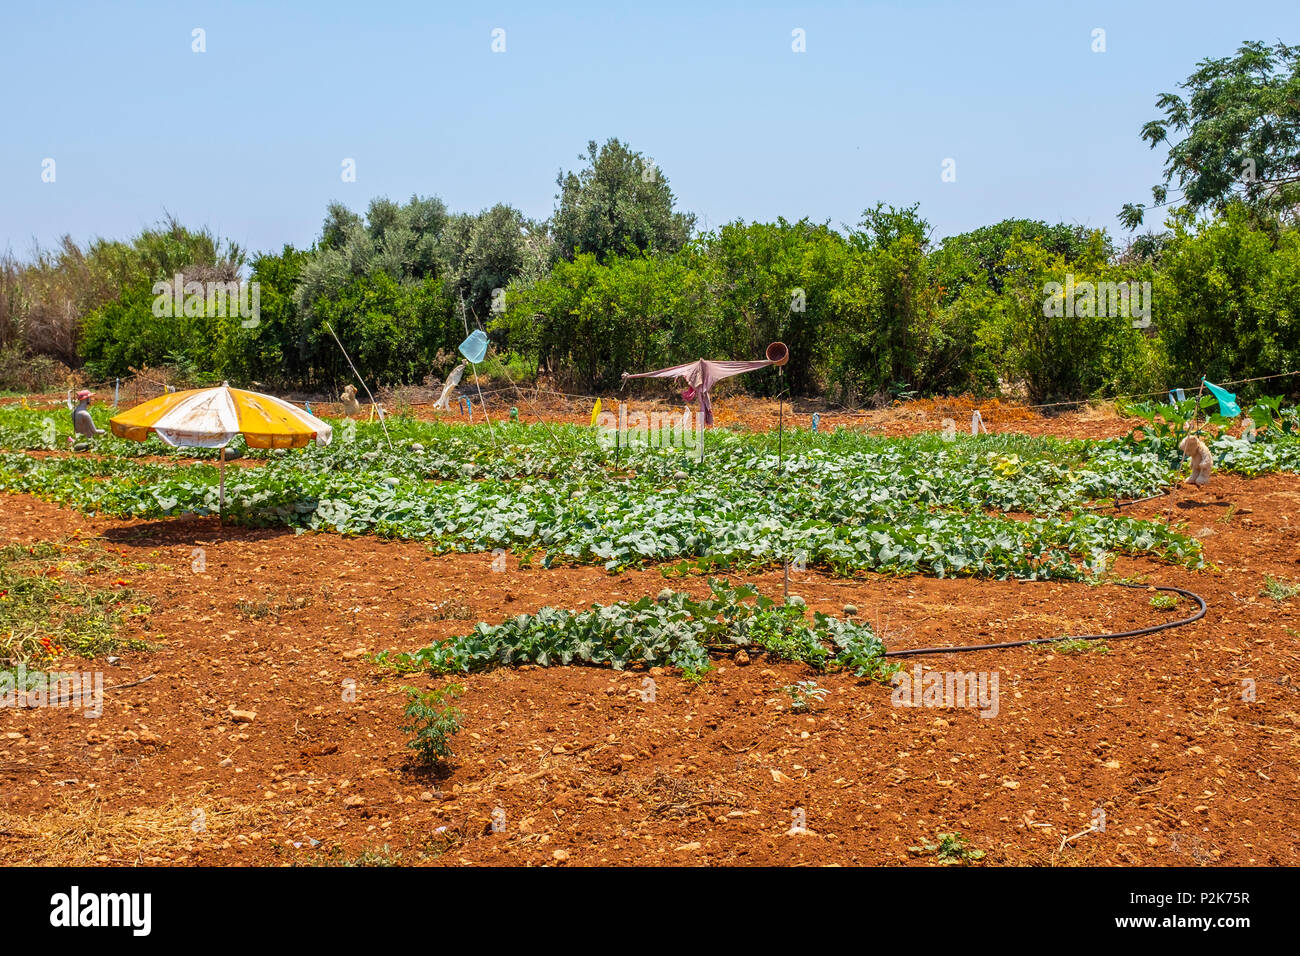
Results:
<point x="255" y="670"/>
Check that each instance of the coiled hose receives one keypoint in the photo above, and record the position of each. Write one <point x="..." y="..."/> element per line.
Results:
<point x="1119" y="635"/>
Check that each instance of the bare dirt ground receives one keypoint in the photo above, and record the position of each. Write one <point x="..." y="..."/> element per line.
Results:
<point x="579" y="767"/>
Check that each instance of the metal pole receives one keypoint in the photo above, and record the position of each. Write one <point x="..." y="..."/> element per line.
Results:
<point x="221" y="488"/>
<point x="780" y="431"/>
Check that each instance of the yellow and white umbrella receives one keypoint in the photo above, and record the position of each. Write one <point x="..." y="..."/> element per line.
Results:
<point x="211" y="417"/>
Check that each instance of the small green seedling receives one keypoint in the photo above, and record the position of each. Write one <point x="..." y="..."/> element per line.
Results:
<point x="1278" y="589"/>
<point x="1079" y="647"/>
<point x="804" y="694"/>
<point x="952" y="848"/>
<point x="433" y="721"/>
<point x="1164" y="602"/>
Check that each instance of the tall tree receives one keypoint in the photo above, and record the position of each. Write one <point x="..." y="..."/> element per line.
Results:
<point x="618" y="204"/>
<point x="1241" y="117"/>
<point x="483" y="254"/>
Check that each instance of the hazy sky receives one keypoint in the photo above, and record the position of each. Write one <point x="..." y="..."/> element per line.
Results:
<point x="248" y="137"/>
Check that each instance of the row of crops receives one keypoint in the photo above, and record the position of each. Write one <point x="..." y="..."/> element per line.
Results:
<point x="998" y="506"/>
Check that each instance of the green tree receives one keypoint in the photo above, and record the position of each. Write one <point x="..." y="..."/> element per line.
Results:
<point x="775" y="281"/>
<point x="266" y="353"/>
<point x="1241" y="120"/>
<point x="1228" y="298"/>
<point x="485" y="253"/>
<point x="619" y="203"/>
<point x="979" y="256"/>
<point x="392" y="330"/>
<point x="1063" y="346"/>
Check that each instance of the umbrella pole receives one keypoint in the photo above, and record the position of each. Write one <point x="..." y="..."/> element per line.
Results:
<point x="780" y="420"/>
<point x="780" y="432"/>
<point x="221" y="488"/>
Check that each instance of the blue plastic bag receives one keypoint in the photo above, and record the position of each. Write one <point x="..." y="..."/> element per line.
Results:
<point x="475" y="347"/>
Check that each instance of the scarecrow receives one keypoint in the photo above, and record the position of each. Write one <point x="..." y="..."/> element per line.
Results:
<point x="82" y="423"/>
<point x="702" y="375"/>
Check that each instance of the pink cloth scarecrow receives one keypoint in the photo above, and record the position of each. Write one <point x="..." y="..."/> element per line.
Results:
<point x="701" y="376"/>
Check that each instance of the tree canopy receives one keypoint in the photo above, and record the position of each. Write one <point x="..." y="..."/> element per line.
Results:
<point x="618" y="204"/>
<point x="1240" y="120"/>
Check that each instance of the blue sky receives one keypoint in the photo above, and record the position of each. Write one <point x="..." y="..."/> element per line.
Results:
<point x="248" y="138"/>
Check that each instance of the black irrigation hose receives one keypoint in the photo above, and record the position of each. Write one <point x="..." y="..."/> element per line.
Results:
<point x="962" y="648"/>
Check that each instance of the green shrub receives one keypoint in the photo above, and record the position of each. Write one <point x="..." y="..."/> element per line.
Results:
<point x="433" y="721"/>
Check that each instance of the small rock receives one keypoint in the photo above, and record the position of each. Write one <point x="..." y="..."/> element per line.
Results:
<point x="779" y="777"/>
<point x="353" y="801"/>
<point x="227" y="762"/>
<point x="680" y="475"/>
<point x="742" y="658"/>
<point x="242" y="716"/>
<point x="850" y="610"/>
<point x="560" y="855"/>
<point x="795" y="600"/>
<point x="688" y="847"/>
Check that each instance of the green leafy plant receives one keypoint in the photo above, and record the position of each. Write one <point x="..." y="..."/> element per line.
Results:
<point x="851" y="504"/>
<point x="1164" y="602"/>
<point x="1278" y="589"/>
<point x="1072" y="647"/>
<point x="804" y="694"/>
<point x="674" y="629"/>
<point x="1167" y="424"/>
<point x="433" y="720"/>
<point x="951" y="849"/>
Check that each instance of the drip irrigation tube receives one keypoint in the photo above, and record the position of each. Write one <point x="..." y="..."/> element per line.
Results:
<point x="1119" y="635"/>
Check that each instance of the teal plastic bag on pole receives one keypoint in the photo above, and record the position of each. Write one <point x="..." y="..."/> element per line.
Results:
<point x="1228" y="406"/>
<point x="475" y="347"/>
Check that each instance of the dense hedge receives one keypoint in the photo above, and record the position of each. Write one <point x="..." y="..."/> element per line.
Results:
<point x="873" y="311"/>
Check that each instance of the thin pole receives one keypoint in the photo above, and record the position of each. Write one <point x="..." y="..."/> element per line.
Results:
<point x="618" y="436"/>
<point x="1196" y="412"/>
<point x="363" y="384"/>
<point x="221" y="488"/>
<point x="780" y="431"/>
